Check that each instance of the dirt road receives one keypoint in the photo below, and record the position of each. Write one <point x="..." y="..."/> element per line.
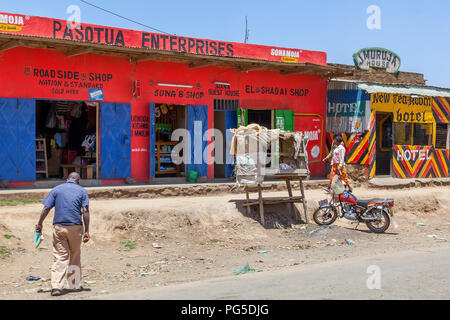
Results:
<point x="412" y="274"/>
<point x="145" y="243"/>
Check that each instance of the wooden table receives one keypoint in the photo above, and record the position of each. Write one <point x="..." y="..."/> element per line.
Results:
<point x="290" y="200"/>
<point x="85" y="172"/>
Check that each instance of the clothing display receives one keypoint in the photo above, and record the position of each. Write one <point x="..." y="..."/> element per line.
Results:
<point x="70" y="130"/>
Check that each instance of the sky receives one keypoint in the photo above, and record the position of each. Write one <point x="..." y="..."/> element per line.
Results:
<point x="417" y="31"/>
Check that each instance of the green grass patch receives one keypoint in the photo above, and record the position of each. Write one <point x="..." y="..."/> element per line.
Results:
<point x="216" y="240"/>
<point x="128" y="244"/>
<point x="17" y="202"/>
<point x="10" y="236"/>
<point x="4" y="252"/>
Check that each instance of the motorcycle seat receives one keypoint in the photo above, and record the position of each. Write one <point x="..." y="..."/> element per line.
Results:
<point x="365" y="203"/>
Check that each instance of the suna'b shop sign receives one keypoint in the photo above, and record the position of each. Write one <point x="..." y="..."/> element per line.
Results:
<point x="377" y="58"/>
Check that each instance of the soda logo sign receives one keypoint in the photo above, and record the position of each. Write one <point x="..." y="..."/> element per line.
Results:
<point x="11" y="22"/>
<point x="10" y="19"/>
<point x="312" y="135"/>
<point x="412" y="154"/>
<point x="284" y="53"/>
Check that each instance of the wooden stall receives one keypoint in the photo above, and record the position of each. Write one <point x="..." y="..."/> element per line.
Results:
<point x="253" y="146"/>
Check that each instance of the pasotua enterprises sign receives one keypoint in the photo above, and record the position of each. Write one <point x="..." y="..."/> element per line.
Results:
<point x="377" y="58"/>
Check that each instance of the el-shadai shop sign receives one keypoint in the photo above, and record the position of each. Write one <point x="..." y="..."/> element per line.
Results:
<point x="377" y="58"/>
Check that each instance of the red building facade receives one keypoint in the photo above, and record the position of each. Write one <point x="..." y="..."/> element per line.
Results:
<point x="36" y="67"/>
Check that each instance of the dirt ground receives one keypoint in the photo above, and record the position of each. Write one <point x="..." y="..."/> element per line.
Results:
<point x="182" y="239"/>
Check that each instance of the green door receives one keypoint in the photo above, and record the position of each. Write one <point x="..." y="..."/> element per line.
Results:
<point x="242" y="117"/>
<point x="284" y="120"/>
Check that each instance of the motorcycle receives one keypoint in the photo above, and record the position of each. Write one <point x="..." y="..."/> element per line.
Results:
<point x="375" y="213"/>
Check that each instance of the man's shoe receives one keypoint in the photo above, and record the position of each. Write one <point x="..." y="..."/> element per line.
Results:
<point x="55" y="292"/>
<point x="77" y="289"/>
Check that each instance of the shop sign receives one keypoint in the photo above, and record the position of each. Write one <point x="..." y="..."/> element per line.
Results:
<point x="354" y="109"/>
<point x="377" y="58"/>
<point x="96" y="34"/>
<point x="346" y="111"/>
<point x="405" y="108"/>
<point x="419" y="162"/>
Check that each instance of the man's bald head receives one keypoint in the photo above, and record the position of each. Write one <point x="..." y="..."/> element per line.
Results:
<point x="74" y="176"/>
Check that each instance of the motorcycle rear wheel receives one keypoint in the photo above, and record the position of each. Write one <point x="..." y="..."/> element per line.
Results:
<point x="325" y="215"/>
<point x="379" y="226"/>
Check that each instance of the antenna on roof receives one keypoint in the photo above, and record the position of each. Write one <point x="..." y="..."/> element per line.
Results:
<point x="246" y="30"/>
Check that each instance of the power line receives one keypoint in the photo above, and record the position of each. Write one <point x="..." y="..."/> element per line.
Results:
<point x="118" y="15"/>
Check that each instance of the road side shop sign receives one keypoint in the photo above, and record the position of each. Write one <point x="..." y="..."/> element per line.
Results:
<point x="377" y="58"/>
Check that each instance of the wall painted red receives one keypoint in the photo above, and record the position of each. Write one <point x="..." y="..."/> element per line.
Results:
<point x="34" y="73"/>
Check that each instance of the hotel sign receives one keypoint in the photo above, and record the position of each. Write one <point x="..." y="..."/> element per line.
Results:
<point x="377" y="58"/>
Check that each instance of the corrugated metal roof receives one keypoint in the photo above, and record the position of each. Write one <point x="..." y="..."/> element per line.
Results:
<point x="407" y="90"/>
<point x="342" y="85"/>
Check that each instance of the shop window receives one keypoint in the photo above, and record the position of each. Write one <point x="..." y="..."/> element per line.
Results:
<point x="423" y="134"/>
<point x="442" y="136"/>
<point x="403" y="133"/>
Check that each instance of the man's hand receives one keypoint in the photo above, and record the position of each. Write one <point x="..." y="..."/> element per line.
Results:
<point x="44" y="214"/>
<point x="324" y="159"/>
<point x="86" y="237"/>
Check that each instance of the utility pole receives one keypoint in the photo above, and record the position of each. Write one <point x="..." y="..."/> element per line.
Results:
<point x="246" y="30"/>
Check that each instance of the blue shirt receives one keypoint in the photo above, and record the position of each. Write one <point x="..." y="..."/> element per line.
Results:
<point x="67" y="198"/>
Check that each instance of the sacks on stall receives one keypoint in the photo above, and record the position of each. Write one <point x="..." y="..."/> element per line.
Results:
<point x="337" y="186"/>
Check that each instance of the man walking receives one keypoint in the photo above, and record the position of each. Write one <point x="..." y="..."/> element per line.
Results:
<point x="71" y="202"/>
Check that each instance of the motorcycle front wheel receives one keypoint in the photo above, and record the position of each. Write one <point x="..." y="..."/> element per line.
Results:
<point x="325" y="215"/>
<point x="380" y="225"/>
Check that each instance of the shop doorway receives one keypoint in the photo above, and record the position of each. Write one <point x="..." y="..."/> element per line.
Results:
<point x="225" y="118"/>
<point x="164" y="120"/>
<point x="66" y="139"/>
<point x="168" y="118"/>
<point x="384" y="124"/>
